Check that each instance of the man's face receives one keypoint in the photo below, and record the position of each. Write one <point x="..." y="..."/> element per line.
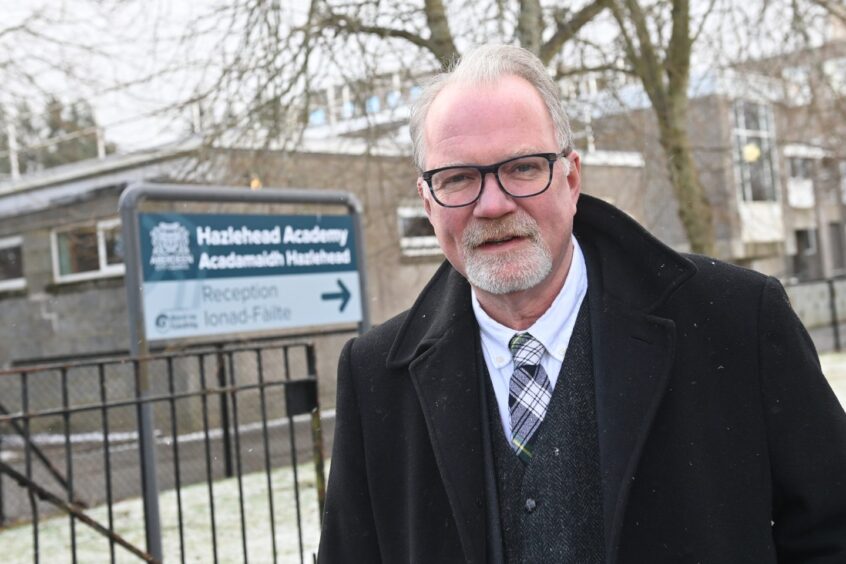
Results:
<point x="500" y="244"/>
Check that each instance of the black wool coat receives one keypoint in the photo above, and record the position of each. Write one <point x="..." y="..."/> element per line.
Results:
<point x="720" y="440"/>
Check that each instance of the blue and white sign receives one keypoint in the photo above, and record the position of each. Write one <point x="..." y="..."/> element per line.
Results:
<point x="206" y="274"/>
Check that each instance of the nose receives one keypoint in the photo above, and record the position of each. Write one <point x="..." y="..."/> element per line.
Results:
<point x="493" y="202"/>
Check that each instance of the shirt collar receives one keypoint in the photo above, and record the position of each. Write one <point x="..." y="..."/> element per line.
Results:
<point x="550" y="328"/>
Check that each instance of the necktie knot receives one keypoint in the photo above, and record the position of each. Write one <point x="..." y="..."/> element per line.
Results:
<point x="525" y="349"/>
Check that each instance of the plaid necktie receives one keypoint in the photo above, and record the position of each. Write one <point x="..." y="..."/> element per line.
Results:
<point x="529" y="393"/>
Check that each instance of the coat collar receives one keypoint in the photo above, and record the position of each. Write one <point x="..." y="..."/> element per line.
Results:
<point x="631" y="275"/>
<point x="635" y="268"/>
<point x="443" y="302"/>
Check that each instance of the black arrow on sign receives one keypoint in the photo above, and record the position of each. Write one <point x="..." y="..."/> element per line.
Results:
<point x="343" y="295"/>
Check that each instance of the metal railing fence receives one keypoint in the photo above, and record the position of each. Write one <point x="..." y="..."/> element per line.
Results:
<point x="821" y="305"/>
<point x="228" y="423"/>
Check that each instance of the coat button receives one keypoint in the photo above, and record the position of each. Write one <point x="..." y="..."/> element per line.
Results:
<point x="530" y="505"/>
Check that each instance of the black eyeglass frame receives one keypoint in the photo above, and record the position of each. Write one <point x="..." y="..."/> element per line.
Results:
<point x="494" y="168"/>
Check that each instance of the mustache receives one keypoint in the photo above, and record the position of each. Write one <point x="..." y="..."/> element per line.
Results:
<point x="482" y="231"/>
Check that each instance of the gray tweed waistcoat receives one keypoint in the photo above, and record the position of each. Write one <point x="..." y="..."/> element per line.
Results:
<point x="551" y="509"/>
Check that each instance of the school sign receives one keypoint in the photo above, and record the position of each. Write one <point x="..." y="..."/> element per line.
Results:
<point x="209" y="274"/>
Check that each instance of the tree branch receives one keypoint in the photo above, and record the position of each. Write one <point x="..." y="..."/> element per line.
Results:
<point x="348" y="25"/>
<point x="695" y="35"/>
<point x="561" y="73"/>
<point x="566" y="29"/>
<point x="648" y="65"/>
<point x="833" y="7"/>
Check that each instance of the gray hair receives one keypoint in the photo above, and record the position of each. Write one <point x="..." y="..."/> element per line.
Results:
<point x="485" y="65"/>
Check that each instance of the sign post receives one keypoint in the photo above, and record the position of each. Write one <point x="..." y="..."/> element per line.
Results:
<point x="196" y="275"/>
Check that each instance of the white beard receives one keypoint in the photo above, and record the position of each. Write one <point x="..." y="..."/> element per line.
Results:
<point x="506" y="272"/>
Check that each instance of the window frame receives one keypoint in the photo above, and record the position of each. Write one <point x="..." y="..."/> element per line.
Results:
<point x="416" y="245"/>
<point x="741" y="135"/>
<point x="13" y="283"/>
<point x="812" y="248"/>
<point x="105" y="269"/>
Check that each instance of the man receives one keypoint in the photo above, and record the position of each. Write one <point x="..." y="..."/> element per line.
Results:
<point x="567" y="388"/>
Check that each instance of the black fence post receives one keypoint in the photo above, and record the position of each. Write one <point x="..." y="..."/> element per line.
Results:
<point x="224" y="413"/>
<point x="835" y="322"/>
<point x="317" y="436"/>
<point x="2" y="501"/>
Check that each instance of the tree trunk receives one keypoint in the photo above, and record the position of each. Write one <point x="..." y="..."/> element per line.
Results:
<point x="530" y="25"/>
<point x="694" y="208"/>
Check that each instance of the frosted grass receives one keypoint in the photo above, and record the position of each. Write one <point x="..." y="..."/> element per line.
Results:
<point x="16" y="544"/>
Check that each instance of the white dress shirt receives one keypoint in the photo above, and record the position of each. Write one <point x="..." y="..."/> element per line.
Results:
<point x="553" y="329"/>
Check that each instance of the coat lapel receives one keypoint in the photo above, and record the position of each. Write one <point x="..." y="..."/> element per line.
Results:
<point x="633" y="354"/>
<point x="446" y="381"/>
<point x="437" y="345"/>
<point x="630" y="275"/>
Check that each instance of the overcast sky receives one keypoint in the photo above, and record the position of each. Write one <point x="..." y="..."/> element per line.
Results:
<point x="127" y="58"/>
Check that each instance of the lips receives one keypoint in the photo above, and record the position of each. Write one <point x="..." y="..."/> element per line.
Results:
<point x="500" y="240"/>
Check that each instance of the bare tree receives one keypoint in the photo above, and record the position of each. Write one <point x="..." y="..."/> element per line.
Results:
<point x="662" y="64"/>
<point x="286" y="61"/>
<point x="259" y="65"/>
<point x="43" y="52"/>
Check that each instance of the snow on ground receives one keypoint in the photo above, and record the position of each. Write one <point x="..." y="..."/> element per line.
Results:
<point x="16" y="544"/>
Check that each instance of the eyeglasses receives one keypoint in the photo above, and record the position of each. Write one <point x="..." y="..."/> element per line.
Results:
<point x="519" y="177"/>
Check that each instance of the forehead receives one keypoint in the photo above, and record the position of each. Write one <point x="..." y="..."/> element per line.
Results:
<point x="483" y="123"/>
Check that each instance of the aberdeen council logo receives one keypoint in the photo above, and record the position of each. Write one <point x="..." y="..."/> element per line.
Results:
<point x="171" y="250"/>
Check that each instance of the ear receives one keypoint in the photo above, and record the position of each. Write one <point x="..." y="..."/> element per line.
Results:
<point x="423" y="192"/>
<point x="574" y="175"/>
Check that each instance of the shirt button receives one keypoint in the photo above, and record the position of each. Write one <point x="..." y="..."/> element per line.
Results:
<point x="562" y="349"/>
<point x="530" y="505"/>
<point x="499" y="359"/>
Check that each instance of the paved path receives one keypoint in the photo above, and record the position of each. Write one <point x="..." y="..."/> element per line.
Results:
<point x="834" y="368"/>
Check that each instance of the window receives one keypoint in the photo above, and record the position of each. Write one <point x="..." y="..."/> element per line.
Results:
<point x="800" y="182"/>
<point x="801" y="168"/>
<point x="88" y="251"/>
<point x="838" y="246"/>
<point x="373" y="105"/>
<point x="806" y="263"/>
<point x="347" y="110"/>
<point x="842" y="167"/>
<point x="417" y="237"/>
<point x="754" y="137"/>
<point x="393" y="99"/>
<point x="797" y="85"/>
<point x="317" y="117"/>
<point x="11" y="264"/>
<point x="835" y="73"/>
<point x="806" y="241"/>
